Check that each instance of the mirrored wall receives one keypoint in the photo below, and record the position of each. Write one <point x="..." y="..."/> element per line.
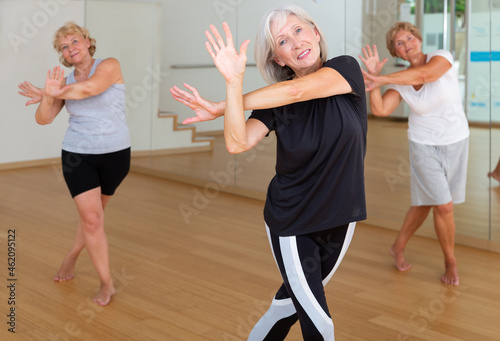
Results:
<point x="164" y="46"/>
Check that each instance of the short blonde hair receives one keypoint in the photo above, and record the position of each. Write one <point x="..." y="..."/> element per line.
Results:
<point x="400" y="26"/>
<point x="264" y="43"/>
<point x="72" y="28"/>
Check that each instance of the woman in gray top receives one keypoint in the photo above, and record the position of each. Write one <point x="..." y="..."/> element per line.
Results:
<point x="96" y="147"/>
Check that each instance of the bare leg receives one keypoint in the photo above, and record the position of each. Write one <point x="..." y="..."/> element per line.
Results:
<point x="496" y="173"/>
<point x="91" y="206"/>
<point x="67" y="269"/>
<point x="444" y="223"/>
<point x="415" y="217"/>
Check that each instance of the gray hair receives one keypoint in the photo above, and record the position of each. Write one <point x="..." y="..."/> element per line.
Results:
<point x="264" y="43"/>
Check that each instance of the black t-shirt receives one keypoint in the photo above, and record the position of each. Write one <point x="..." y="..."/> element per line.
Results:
<point x="321" y="144"/>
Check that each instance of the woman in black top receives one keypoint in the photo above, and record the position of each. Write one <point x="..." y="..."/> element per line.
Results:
<point x="317" y="109"/>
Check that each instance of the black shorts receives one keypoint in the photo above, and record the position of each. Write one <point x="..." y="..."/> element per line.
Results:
<point x="84" y="172"/>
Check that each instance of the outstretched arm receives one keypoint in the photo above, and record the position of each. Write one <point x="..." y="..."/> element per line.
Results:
<point x="107" y="73"/>
<point x="323" y="83"/>
<point x="427" y="73"/>
<point x="49" y="106"/>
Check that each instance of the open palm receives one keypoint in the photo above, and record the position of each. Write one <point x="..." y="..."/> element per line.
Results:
<point x="31" y="91"/>
<point x="228" y="61"/>
<point x="54" y="82"/>
<point x="205" y="110"/>
<point x="372" y="60"/>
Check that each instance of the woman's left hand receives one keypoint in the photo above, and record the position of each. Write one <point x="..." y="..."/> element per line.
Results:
<point x="54" y="82"/>
<point x="31" y="91"/>
<point x="228" y="61"/>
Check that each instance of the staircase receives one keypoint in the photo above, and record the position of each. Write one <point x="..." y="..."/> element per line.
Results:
<point x="170" y="137"/>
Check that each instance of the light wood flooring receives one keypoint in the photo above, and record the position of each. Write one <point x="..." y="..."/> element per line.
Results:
<point x="211" y="275"/>
<point x="386" y="177"/>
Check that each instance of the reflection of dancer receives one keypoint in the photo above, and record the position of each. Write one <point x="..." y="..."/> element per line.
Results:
<point x="438" y="136"/>
<point x="317" y="109"/>
<point x="96" y="147"/>
<point x="496" y="172"/>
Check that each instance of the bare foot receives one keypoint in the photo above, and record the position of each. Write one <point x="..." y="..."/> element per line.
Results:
<point x="401" y="263"/>
<point x="450" y="277"/>
<point x="104" y="295"/>
<point x="494" y="176"/>
<point x="67" y="269"/>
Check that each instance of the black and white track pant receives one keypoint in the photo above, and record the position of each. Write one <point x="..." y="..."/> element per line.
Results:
<point x="306" y="262"/>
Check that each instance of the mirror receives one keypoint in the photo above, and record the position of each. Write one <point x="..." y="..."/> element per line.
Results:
<point x="197" y="154"/>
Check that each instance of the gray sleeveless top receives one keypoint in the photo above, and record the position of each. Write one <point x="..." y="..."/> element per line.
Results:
<point x="97" y="124"/>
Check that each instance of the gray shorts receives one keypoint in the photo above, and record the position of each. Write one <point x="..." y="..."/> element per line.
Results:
<point x="438" y="173"/>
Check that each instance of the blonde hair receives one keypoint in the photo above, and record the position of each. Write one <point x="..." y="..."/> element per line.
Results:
<point x="400" y="26"/>
<point x="264" y="43"/>
<point x="72" y="28"/>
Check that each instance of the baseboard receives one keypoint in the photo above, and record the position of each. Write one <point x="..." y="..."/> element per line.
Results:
<point x="134" y="154"/>
<point x="29" y="164"/>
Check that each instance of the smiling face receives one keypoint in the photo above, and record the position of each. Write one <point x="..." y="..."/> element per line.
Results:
<point x="407" y="45"/>
<point x="74" y="48"/>
<point x="297" y="46"/>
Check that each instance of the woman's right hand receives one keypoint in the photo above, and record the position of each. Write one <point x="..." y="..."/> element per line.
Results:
<point x="205" y="110"/>
<point x="31" y="91"/>
<point x="372" y="60"/>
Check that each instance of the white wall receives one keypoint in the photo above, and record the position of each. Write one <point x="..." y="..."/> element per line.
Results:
<point x="186" y="23"/>
<point x="26" y="53"/>
<point x="127" y="30"/>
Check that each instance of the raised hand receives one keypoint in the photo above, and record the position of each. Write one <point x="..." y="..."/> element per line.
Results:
<point x="372" y="60"/>
<point x="54" y="82"/>
<point x="228" y="61"/>
<point x="31" y="91"/>
<point x="205" y="110"/>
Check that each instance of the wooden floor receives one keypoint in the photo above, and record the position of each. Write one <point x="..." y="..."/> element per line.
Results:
<point x="210" y="275"/>
<point x="386" y="177"/>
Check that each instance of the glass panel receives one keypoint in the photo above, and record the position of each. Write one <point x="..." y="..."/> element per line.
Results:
<point x="495" y="117"/>
<point x="478" y="108"/>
